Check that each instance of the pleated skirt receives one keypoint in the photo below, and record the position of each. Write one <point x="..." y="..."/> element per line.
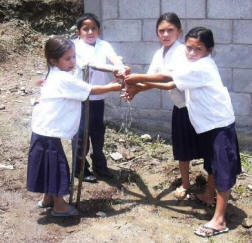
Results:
<point x="48" y="170"/>
<point x="185" y="141"/>
<point x="222" y="156"/>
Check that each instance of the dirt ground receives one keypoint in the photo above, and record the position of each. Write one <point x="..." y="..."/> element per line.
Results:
<point x="137" y="205"/>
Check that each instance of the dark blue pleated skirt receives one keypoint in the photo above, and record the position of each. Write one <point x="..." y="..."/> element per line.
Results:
<point x="48" y="170"/>
<point x="185" y="141"/>
<point x="221" y="156"/>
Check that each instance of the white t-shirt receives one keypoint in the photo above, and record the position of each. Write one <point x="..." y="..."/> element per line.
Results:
<point x="207" y="100"/>
<point x="170" y="61"/>
<point x="100" y="53"/>
<point x="59" y="109"/>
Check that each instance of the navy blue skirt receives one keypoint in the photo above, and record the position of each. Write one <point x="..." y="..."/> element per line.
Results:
<point x="222" y="156"/>
<point x="48" y="170"/>
<point x="185" y="140"/>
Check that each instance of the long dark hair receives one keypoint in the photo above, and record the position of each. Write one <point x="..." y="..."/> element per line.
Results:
<point x="171" y="18"/>
<point x="86" y="16"/>
<point x="203" y="34"/>
<point x="55" y="48"/>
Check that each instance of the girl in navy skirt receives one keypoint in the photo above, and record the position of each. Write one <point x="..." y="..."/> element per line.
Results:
<point x="168" y="57"/>
<point x="56" y="116"/>
<point x="211" y="114"/>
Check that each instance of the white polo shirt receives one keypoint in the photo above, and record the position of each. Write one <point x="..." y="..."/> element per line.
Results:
<point x="207" y="100"/>
<point x="168" y="62"/>
<point x="59" y="109"/>
<point x="100" y="53"/>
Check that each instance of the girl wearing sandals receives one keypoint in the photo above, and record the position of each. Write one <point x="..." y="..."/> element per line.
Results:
<point x="56" y="116"/>
<point x="184" y="138"/>
<point x="211" y="114"/>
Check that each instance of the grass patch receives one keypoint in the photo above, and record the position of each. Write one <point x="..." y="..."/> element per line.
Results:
<point x="246" y="163"/>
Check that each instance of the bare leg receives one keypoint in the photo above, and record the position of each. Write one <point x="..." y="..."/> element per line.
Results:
<point x="60" y="205"/>
<point x="46" y="199"/>
<point x="181" y="191"/>
<point x="184" y="171"/>
<point x="218" y="221"/>
<point x="209" y="193"/>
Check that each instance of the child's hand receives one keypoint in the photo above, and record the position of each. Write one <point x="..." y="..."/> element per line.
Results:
<point x="132" y="78"/>
<point x="129" y="92"/>
<point x="121" y="75"/>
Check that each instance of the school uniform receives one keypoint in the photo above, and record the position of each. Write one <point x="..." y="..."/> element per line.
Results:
<point x="184" y="138"/>
<point x="99" y="53"/>
<point x="211" y="114"/>
<point x="56" y="116"/>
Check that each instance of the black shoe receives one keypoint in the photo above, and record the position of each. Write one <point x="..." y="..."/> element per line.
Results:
<point x="88" y="177"/>
<point x="103" y="173"/>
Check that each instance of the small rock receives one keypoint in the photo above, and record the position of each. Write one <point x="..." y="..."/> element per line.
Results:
<point x="22" y="88"/>
<point x="101" y="214"/>
<point x="146" y="137"/>
<point x="6" y="167"/>
<point x="250" y="187"/>
<point x="39" y="72"/>
<point x="247" y="222"/>
<point x="116" y="156"/>
<point x="2" y="107"/>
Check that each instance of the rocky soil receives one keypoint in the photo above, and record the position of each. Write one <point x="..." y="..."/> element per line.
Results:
<point x="137" y="205"/>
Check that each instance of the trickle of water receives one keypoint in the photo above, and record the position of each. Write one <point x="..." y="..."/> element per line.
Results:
<point x="126" y="118"/>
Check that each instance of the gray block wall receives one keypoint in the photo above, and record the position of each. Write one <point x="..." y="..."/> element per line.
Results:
<point x="129" y="25"/>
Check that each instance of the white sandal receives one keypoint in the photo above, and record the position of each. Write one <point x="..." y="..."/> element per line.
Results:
<point x="180" y="193"/>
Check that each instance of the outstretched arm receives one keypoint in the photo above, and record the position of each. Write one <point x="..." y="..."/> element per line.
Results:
<point x="143" y="78"/>
<point x="100" y="89"/>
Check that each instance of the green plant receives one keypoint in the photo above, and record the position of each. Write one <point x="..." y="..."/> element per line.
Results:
<point x="246" y="164"/>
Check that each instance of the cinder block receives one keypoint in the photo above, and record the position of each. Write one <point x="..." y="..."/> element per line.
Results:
<point x="149" y="30"/>
<point x="233" y="56"/>
<point x="167" y="104"/>
<point x="136" y="9"/>
<point x="93" y="6"/>
<point x="243" y="31"/>
<point x="222" y="29"/>
<point x="226" y="77"/>
<point x="229" y="9"/>
<point x="151" y="114"/>
<point x="185" y="8"/>
<point x="110" y="9"/>
<point x="150" y="99"/>
<point x="114" y="30"/>
<point x="242" y="80"/>
<point x="241" y="103"/>
<point x="244" y="121"/>
<point x="136" y="52"/>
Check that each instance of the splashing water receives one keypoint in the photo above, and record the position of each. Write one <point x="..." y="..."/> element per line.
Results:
<point x="126" y="118"/>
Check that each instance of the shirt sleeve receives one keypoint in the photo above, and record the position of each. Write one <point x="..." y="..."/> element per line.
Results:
<point x="67" y="86"/>
<point x="191" y="76"/>
<point x="154" y="66"/>
<point x="74" y="88"/>
<point x="110" y="52"/>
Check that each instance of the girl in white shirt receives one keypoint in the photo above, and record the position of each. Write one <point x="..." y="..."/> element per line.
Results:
<point x="56" y="116"/>
<point x="168" y="57"/>
<point x="91" y="49"/>
<point x="211" y="114"/>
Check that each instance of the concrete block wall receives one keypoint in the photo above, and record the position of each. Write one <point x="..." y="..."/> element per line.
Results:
<point x="129" y="25"/>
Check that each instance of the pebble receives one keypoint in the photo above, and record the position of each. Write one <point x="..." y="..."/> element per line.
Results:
<point x="101" y="214"/>
<point x="116" y="156"/>
<point x="146" y="137"/>
<point x="2" y="107"/>
<point x="250" y="187"/>
<point x="247" y="222"/>
<point x="6" y="167"/>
